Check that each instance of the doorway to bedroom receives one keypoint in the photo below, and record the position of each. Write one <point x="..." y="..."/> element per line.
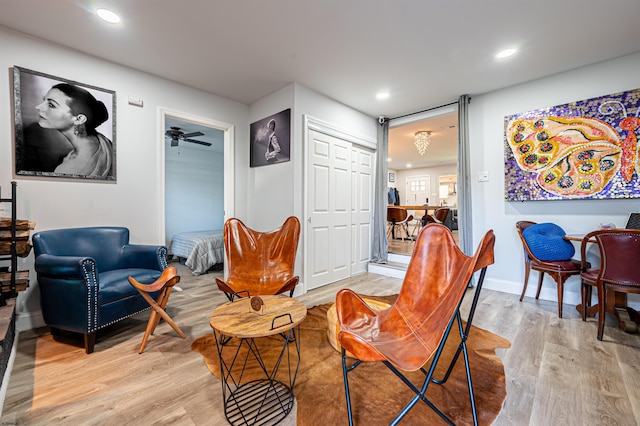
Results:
<point x="196" y="189"/>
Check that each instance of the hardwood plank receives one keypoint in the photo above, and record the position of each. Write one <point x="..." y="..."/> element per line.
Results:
<point x="557" y="372"/>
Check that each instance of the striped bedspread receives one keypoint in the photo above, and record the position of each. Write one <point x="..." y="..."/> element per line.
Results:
<point x="202" y="249"/>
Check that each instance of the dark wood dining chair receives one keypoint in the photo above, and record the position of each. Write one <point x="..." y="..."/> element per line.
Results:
<point x="588" y="275"/>
<point x="439" y="215"/>
<point x="397" y="217"/>
<point x="558" y="270"/>
<point x="618" y="271"/>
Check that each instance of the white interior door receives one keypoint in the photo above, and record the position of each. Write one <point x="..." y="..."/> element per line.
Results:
<point x="417" y="191"/>
<point x="362" y="168"/>
<point x="329" y="227"/>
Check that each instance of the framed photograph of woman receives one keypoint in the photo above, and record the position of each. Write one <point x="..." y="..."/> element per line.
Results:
<point x="63" y="129"/>
<point x="271" y="139"/>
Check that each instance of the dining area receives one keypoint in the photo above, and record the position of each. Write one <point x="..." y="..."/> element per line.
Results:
<point x="404" y="222"/>
<point x="604" y="259"/>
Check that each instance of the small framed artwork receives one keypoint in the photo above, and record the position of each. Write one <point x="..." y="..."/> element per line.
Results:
<point x="63" y="129"/>
<point x="271" y="139"/>
<point x="392" y="177"/>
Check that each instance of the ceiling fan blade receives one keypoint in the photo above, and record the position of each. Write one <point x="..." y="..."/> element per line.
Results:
<point x="199" y="142"/>
<point x="190" y="135"/>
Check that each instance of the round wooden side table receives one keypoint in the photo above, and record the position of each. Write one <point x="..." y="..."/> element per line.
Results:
<point x="268" y="399"/>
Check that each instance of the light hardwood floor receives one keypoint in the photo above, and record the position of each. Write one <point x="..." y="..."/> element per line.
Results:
<point x="557" y="372"/>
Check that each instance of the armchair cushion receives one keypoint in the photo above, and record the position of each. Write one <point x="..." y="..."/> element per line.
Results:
<point x="546" y="243"/>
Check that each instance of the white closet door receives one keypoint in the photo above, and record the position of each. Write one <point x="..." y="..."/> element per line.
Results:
<point x="329" y="227"/>
<point x="362" y="168"/>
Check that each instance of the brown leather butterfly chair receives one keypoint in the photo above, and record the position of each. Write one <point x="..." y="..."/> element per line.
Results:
<point x="417" y="325"/>
<point x="619" y="254"/>
<point x="260" y="263"/>
<point x="559" y="270"/>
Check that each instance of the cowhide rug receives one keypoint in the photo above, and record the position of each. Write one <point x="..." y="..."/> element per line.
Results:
<point x="377" y="395"/>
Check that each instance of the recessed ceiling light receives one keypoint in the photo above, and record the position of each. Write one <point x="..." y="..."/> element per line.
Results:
<point x="382" y="95"/>
<point x="389" y="159"/>
<point x="506" y="53"/>
<point x="408" y="165"/>
<point x="108" y="16"/>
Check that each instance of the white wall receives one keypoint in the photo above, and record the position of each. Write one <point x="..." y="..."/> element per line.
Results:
<point x="272" y="186"/>
<point x="277" y="191"/>
<point x="491" y="211"/>
<point x="135" y="199"/>
<point x="194" y="189"/>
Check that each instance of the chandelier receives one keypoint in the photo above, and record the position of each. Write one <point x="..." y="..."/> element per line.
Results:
<point x="421" y="141"/>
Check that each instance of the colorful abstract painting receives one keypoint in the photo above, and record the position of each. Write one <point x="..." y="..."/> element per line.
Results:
<point x="581" y="150"/>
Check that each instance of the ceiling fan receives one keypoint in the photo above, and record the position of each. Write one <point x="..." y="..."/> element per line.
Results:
<point x="176" y="134"/>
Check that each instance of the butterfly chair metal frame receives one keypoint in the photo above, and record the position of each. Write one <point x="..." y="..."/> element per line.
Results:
<point x="163" y="285"/>
<point x="485" y="259"/>
<point x="559" y="270"/>
<point x="414" y="328"/>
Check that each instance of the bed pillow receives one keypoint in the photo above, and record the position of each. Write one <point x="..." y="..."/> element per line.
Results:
<point x="546" y="243"/>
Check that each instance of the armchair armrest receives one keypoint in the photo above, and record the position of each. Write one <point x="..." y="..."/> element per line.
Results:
<point x="144" y="256"/>
<point x="64" y="266"/>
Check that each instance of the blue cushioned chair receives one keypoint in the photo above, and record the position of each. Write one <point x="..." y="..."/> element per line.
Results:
<point x="559" y="269"/>
<point x="83" y="277"/>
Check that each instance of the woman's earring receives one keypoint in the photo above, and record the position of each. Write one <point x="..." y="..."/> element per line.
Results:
<point x="79" y="130"/>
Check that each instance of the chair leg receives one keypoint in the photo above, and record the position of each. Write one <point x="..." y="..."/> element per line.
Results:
<point x="540" y="278"/>
<point x="158" y="309"/>
<point x="527" y="269"/>
<point x="346" y="385"/>
<point x="601" y="310"/>
<point x="583" y="293"/>
<point x="89" y="342"/>
<point x="560" y="294"/>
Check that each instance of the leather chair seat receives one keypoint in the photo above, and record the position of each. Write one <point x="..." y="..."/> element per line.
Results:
<point x="557" y="265"/>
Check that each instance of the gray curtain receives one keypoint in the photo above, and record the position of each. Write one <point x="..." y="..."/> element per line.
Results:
<point x="380" y="247"/>
<point x="465" y="228"/>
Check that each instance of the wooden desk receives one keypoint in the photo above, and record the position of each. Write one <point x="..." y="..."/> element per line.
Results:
<point x="267" y="399"/>
<point x="419" y="207"/>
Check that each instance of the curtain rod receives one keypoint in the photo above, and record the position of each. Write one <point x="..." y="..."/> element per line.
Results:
<point x="423" y="111"/>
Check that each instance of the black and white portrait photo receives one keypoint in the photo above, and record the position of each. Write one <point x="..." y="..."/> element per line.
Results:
<point x="270" y="139"/>
<point x="63" y="128"/>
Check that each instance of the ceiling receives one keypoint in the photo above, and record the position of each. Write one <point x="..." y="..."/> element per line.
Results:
<point x="442" y="149"/>
<point x="423" y="53"/>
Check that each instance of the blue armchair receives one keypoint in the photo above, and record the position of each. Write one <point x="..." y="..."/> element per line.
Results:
<point x="82" y="274"/>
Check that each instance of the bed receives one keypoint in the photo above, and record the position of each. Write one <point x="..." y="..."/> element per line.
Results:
<point x="201" y="249"/>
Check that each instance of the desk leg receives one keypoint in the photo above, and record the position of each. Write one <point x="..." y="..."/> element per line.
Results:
<point x="616" y="304"/>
